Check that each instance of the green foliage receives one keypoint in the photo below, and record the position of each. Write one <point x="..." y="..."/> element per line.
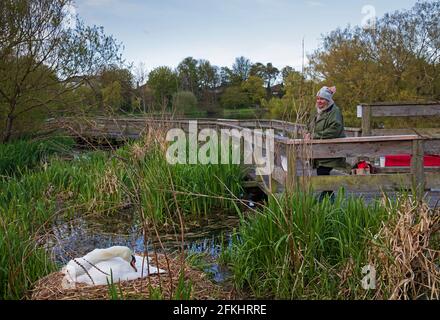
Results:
<point x="183" y="289"/>
<point x="296" y="246"/>
<point x="112" y="290"/>
<point x="184" y="102"/>
<point x="248" y="94"/>
<point x="164" y="82"/>
<point x="267" y="72"/>
<point x="189" y="75"/>
<point x="241" y="70"/>
<point x="116" y="88"/>
<point x="397" y="61"/>
<point x="297" y="101"/>
<point x="253" y="87"/>
<point x="42" y="62"/>
<point x="21" y="156"/>
<point x="97" y="182"/>
<point x="235" y="98"/>
<point x="154" y="293"/>
<point x="111" y="95"/>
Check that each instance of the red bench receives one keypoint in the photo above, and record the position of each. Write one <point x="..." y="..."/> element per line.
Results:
<point x="404" y="160"/>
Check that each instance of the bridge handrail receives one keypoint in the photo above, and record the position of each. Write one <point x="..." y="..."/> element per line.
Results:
<point x="299" y="149"/>
<point x="405" y="109"/>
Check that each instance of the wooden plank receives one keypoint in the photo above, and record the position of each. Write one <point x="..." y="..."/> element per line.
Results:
<point x="291" y="178"/>
<point x="422" y="132"/>
<point x="402" y="103"/>
<point x="279" y="175"/>
<point x="366" y="120"/>
<point x="432" y="146"/>
<point x="354" y="139"/>
<point x="391" y="132"/>
<point x="353" y="149"/>
<point x="411" y="110"/>
<point x="352" y="132"/>
<point x="405" y="169"/>
<point x="417" y="167"/>
<point x="375" y="182"/>
<point x="432" y="180"/>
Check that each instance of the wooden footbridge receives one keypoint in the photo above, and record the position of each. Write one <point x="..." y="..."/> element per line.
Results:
<point x="292" y="154"/>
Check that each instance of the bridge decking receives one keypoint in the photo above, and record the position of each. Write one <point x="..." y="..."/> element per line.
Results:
<point x="289" y="154"/>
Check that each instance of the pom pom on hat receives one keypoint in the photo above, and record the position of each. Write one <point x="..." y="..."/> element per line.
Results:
<point x="326" y="93"/>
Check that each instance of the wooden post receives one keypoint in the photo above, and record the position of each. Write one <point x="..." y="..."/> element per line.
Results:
<point x="291" y="177"/>
<point x="417" y="168"/>
<point x="366" y="120"/>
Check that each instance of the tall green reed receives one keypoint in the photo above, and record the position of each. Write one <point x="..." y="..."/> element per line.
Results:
<point x="101" y="183"/>
<point x="22" y="155"/>
<point x="298" y="247"/>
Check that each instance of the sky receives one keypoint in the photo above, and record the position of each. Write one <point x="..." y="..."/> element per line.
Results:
<point x="164" y="32"/>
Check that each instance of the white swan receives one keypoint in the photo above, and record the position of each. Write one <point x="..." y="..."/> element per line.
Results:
<point x="98" y="266"/>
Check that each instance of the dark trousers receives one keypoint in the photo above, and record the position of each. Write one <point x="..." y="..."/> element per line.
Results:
<point x="325" y="171"/>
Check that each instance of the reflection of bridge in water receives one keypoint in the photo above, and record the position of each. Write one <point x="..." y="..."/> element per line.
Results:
<point x="292" y="155"/>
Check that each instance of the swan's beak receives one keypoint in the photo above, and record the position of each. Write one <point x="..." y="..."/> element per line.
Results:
<point x="133" y="263"/>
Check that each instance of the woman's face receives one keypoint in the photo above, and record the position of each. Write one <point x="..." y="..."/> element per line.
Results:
<point x="321" y="102"/>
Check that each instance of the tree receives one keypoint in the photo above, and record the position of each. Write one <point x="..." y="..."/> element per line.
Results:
<point x="266" y="72"/>
<point x="241" y="70"/>
<point x="286" y="71"/>
<point x="270" y="74"/>
<point x="396" y="61"/>
<point x="188" y="74"/>
<point x="141" y="76"/>
<point x="184" y="102"/>
<point x="225" y="76"/>
<point x="112" y="96"/>
<point x="208" y="75"/>
<point x="43" y="59"/>
<point x="164" y="82"/>
<point x="254" y="89"/>
<point x="297" y="101"/>
<point x="121" y="80"/>
<point x="234" y="97"/>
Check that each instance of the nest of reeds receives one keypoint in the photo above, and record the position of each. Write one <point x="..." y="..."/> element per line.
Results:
<point x="406" y="254"/>
<point x="50" y="288"/>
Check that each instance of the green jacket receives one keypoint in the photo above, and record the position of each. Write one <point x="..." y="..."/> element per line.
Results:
<point x="329" y="126"/>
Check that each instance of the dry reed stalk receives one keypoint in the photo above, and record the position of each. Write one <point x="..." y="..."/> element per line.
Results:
<point x="149" y="139"/>
<point x="406" y="254"/>
<point x="109" y="182"/>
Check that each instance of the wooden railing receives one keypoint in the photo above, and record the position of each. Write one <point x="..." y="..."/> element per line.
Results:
<point x="416" y="177"/>
<point x="131" y="127"/>
<point x="369" y="111"/>
<point x="296" y="154"/>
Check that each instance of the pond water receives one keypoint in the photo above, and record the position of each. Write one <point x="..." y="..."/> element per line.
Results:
<point x="77" y="236"/>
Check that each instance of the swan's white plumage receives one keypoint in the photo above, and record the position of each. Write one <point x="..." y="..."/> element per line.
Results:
<point x="100" y="263"/>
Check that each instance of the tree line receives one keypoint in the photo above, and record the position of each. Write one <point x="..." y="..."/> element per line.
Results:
<point x="49" y="66"/>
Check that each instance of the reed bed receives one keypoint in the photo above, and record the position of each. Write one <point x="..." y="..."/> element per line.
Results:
<point x="406" y="252"/>
<point x="101" y="183"/>
<point x="299" y="248"/>
<point x="24" y="155"/>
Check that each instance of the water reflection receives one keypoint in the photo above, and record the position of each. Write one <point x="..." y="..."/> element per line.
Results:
<point x="78" y="236"/>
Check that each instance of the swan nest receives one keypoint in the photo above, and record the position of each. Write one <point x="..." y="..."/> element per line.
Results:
<point x="50" y="288"/>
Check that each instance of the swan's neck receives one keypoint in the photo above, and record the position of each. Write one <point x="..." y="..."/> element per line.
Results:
<point x="99" y="255"/>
